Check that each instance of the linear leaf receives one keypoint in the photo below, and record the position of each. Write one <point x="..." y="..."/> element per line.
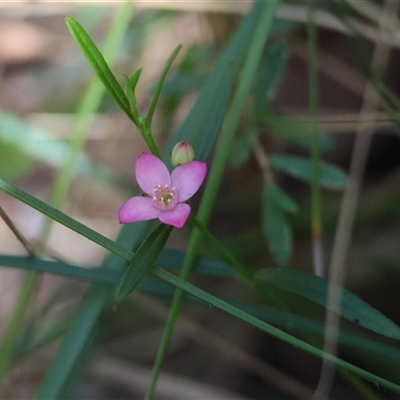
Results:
<point x="315" y="289"/>
<point x="331" y="177"/>
<point x="65" y="220"/>
<point x="99" y="64"/>
<point x="142" y="261"/>
<point x="273" y="316"/>
<point x="168" y="258"/>
<point x="275" y="332"/>
<point x="204" y="121"/>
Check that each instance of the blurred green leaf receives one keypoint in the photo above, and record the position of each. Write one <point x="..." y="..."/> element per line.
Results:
<point x="242" y="148"/>
<point x="331" y="177"/>
<point x="21" y="145"/>
<point x="271" y="69"/>
<point x="168" y="258"/>
<point x="283" y="199"/>
<point x="160" y="84"/>
<point x="297" y="132"/>
<point x="276" y="228"/>
<point x="273" y="331"/>
<point x="202" y="125"/>
<point x="315" y="289"/>
<point x="183" y="83"/>
<point x="142" y="261"/>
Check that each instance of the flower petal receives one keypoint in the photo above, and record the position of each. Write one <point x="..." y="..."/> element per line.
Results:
<point x="176" y="217"/>
<point x="137" y="209"/>
<point x="150" y="172"/>
<point x="187" y="179"/>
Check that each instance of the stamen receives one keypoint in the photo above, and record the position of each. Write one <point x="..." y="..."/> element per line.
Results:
<point x="165" y="198"/>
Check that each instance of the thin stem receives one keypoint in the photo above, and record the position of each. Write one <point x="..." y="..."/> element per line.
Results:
<point x="316" y="225"/>
<point x="221" y="155"/>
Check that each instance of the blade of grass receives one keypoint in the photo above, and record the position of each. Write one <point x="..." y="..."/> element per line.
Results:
<point x="283" y="319"/>
<point x="271" y="330"/>
<point x="65" y="220"/>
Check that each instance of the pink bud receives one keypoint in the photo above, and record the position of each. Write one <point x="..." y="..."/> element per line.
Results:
<point x="182" y="153"/>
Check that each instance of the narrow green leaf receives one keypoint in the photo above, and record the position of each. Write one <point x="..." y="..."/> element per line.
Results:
<point x="277" y="230"/>
<point x="242" y="148"/>
<point x="142" y="261"/>
<point x="315" y="289"/>
<point x="331" y="177"/>
<point x="296" y="131"/>
<point x="159" y="86"/>
<point x="168" y="258"/>
<point x="204" y="121"/>
<point x="271" y="69"/>
<point x="275" y="332"/>
<point x="65" y="220"/>
<point x="99" y="65"/>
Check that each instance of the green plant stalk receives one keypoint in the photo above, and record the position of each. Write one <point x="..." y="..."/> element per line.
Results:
<point x="214" y="178"/>
<point x="316" y="225"/>
<point x="89" y="104"/>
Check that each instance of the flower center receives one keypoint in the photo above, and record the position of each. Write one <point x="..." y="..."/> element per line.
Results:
<point x="165" y="198"/>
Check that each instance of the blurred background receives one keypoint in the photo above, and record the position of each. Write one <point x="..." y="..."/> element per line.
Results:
<point x="43" y="78"/>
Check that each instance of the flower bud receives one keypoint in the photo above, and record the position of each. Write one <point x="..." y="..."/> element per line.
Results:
<point x="182" y="153"/>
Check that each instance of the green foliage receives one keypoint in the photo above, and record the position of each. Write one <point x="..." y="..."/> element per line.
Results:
<point x="271" y="70"/>
<point x="315" y="289"/>
<point x="330" y="176"/>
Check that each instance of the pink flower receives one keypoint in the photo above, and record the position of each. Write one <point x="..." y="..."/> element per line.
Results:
<point x="165" y="194"/>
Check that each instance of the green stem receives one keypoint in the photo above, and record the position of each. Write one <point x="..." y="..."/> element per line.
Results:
<point x="214" y="178"/>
